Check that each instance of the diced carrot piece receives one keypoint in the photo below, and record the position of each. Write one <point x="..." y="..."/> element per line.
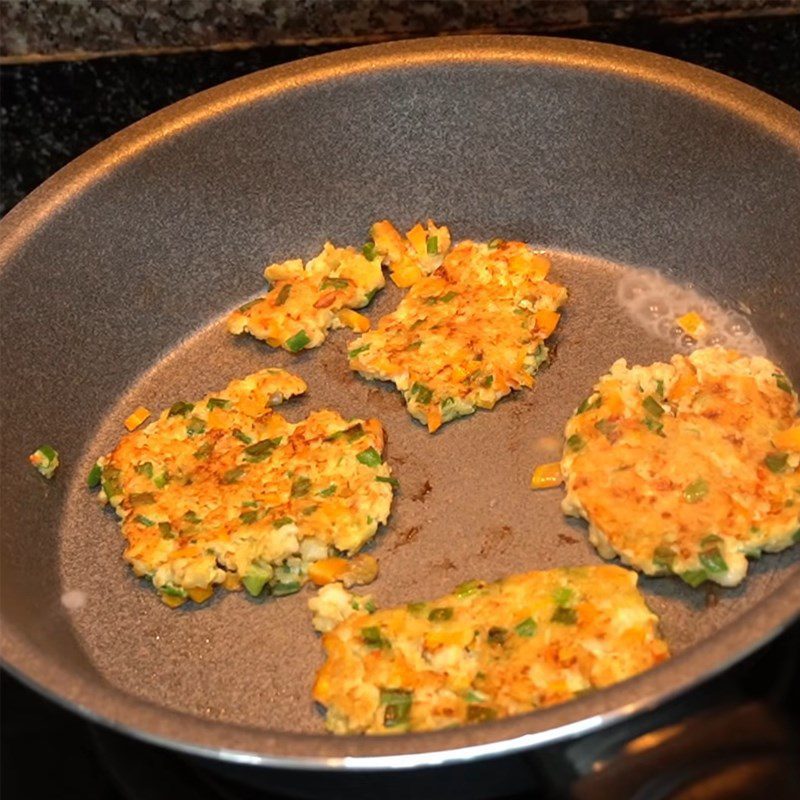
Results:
<point x="388" y="240"/>
<point x="353" y="320"/>
<point x="172" y="601"/>
<point x="788" y="439"/>
<point x="545" y="476"/>
<point x="217" y="419"/>
<point x="406" y="275"/>
<point x="546" y="320"/>
<point x="185" y="552"/>
<point x="251" y="406"/>
<point x="540" y="266"/>
<point x="374" y="428"/>
<point x="136" y="418"/>
<point x="200" y="595"/>
<point x="327" y="570"/>
<point x="685" y="383"/>
<point x="434" y="419"/>
<point x="692" y="324"/>
<point x="418" y="238"/>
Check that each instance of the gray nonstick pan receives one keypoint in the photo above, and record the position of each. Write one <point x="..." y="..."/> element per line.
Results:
<point x="117" y="275"/>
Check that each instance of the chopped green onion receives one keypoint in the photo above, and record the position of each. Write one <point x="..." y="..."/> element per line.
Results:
<point x="172" y="591"/>
<point x="712" y="538"/>
<point x="696" y="491"/>
<point x="487" y="382"/>
<point x="218" y="402"/>
<point x="369" y="251"/>
<point x="497" y="635"/>
<point x="783" y="382"/>
<point x="796" y="536"/>
<point x="161" y="480"/>
<point x="607" y="428"/>
<point x="283" y="589"/>
<point x="249" y="517"/>
<point x="297" y="342"/>
<point x="309" y="510"/>
<point x="249" y="304"/>
<point x="713" y="561"/>
<point x="370" y="457"/>
<point x="354" y="434"/>
<point x="242" y="437"/>
<point x="195" y="426"/>
<point x="526" y="628"/>
<point x="279" y="523"/>
<point x="166" y="530"/>
<point x="233" y="475"/>
<point x="415" y="345"/>
<point x="493" y="244"/>
<point x="416" y="609"/>
<point x="448" y="401"/>
<point x="398" y="706"/>
<point x="467" y="588"/>
<point x="327" y="492"/>
<point x="441" y="614"/>
<point x="652" y="406"/>
<point x="664" y="556"/>
<point x="660" y="388"/>
<point x="145" y="468"/>
<point x="588" y="404"/>
<point x="260" y="450"/>
<point x="336" y="283"/>
<point x="575" y="442"/>
<point x="563" y="596"/>
<point x="301" y="486"/>
<point x="204" y="451"/>
<point x="372" y="637"/>
<point x="432" y="245"/>
<point x="180" y="409"/>
<point x="357" y="351"/>
<point x="448" y="296"/>
<point x="392" y="481"/>
<point x="694" y="577"/>
<point x="776" y="462"/>
<point x="94" y="476"/>
<point x="283" y="294"/>
<point x="148" y="523"/>
<point x="142" y="499"/>
<point x="471" y="696"/>
<point x="370" y="607"/>
<point x="423" y="394"/>
<point x="655" y="426"/>
<point x="191" y="517"/>
<point x="565" y="616"/>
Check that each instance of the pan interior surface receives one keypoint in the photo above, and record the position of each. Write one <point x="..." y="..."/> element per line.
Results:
<point x="115" y="295"/>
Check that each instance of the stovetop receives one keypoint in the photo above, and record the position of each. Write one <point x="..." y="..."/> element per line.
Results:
<point x="735" y="737"/>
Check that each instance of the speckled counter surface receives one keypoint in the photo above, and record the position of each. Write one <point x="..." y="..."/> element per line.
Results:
<point x="52" y="112"/>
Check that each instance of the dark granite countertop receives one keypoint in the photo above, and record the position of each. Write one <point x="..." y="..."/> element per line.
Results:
<point x="52" y="112"/>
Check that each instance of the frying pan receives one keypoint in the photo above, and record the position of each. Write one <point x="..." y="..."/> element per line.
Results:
<point x="118" y="273"/>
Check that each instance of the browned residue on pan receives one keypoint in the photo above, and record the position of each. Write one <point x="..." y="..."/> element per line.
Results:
<point x="421" y="493"/>
<point x="405" y="537"/>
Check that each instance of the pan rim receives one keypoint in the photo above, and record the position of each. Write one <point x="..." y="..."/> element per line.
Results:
<point x="114" y="709"/>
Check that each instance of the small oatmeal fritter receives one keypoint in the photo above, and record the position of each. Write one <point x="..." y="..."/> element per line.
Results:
<point x="225" y="491"/>
<point x="687" y="468"/>
<point x="467" y="335"/>
<point x="486" y="651"/>
<point x="306" y="300"/>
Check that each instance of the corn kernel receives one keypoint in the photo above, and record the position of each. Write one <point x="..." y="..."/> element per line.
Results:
<point x="545" y="476"/>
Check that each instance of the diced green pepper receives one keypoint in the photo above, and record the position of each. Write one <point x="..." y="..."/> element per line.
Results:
<point x="254" y="582"/>
<point x="218" y="402"/>
<point x="94" y="476"/>
<point x="180" y="409"/>
<point x="441" y="614"/>
<point x="563" y="596"/>
<point x="782" y="381"/>
<point x="713" y="561"/>
<point x="696" y="491"/>
<point x="172" y="591"/>
<point x="423" y="394"/>
<point x="526" y="628"/>
<point x="565" y="616"/>
<point x="370" y="457"/>
<point x="576" y="442"/>
<point x="301" y="486"/>
<point x="260" y="450"/>
<point x="694" y="577"/>
<point x="297" y="342"/>
<point x="432" y="245"/>
<point x="776" y="462"/>
<point x="283" y="589"/>
<point x="372" y="637"/>
<point x="398" y="706"/>
<point x="369" y="251"/>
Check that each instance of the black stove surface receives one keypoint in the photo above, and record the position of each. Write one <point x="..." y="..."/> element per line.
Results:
<point x="735" y="737"/>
